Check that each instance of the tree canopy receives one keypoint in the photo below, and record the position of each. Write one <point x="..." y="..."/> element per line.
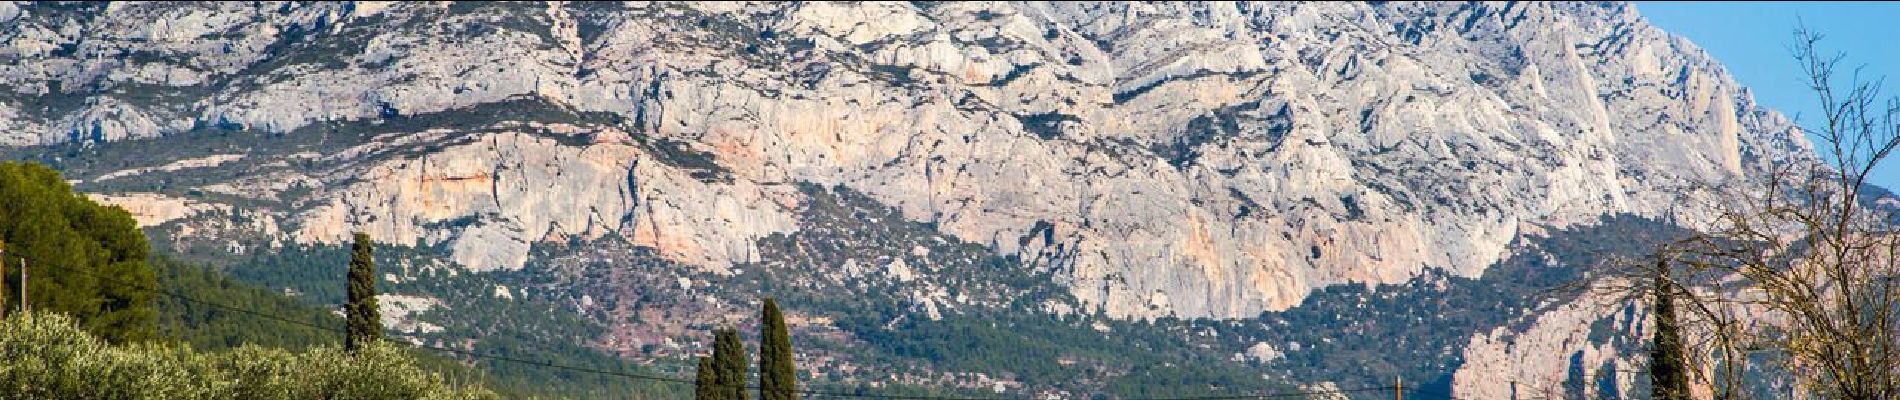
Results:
<point x="84" y="259"/>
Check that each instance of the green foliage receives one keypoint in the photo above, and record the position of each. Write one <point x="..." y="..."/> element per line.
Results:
<point x="85" y="259"/>
<point x="207" y="327"/>
<point x="729" y="362"/>
<point x="531" y="328"/>
<point x="48" y="356"/>
<point x="706" y="381"/>
<point x="365" y="322"/>
<point x="214" y="328"/>
<point x="1668" y="372"/>
<point x="777" y="375"/>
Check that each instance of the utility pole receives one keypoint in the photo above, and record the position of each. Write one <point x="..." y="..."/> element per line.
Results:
<point x="23" y="303"/>
<point x="1398" y="389"/>
<point x="3" y="280"/>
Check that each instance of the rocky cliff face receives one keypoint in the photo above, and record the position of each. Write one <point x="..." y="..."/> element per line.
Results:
<point x="1187" y="159"/>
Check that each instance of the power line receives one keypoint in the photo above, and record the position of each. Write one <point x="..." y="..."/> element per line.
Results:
<point x="1275" y="395"/>
<point x="622" y="374"/>
<point x="424" y="346"/>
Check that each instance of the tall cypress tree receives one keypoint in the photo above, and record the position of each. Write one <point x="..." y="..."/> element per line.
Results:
<point x="705" y="384"/>
<point x="365" y="321"/>
<point x="729" y="359"/>
<point x="777" y="380"/>
<point x="1668" y="372"/>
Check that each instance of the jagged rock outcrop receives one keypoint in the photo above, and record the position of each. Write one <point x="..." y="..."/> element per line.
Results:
<point x="1194" y="159"/>
<point x="1577" y="348"/>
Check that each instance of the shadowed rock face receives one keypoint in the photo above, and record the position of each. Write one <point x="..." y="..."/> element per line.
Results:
<point x="1188" y="159"/>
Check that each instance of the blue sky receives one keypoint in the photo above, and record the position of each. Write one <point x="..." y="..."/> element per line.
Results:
<point x="1752" y="40"/>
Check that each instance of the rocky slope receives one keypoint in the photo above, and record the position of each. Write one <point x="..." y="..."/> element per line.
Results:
<point x="1179" y="159"/>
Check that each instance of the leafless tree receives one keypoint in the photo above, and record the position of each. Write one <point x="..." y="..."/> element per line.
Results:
<point x="1795" y="271"/>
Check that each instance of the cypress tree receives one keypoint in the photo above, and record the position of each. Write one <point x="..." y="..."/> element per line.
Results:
<point x="705" y="384"/>
<point x="1668" y="373"/>
<point x="729" y="359"/>
<point x="777" y="380"/>
<point x="365" y="321"/>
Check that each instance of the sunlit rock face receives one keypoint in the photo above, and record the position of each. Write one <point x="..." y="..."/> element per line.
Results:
<point x="1188" y="159"/>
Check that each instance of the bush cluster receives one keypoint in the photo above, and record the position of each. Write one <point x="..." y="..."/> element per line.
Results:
<point x="50" y="356"/>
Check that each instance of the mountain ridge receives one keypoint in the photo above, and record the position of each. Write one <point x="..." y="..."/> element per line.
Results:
<point x="1246" y="113"/>
<point x="1155" y="161"/>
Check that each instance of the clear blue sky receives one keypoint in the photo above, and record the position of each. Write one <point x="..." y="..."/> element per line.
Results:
<point x="1752" y="40"/>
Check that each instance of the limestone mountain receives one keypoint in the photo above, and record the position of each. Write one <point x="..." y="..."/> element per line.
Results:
<point x="1125" y="162"/>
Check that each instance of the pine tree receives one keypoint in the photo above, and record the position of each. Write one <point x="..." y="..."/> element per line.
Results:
<point x="87" y="260"/>
<point x="706" y="384"/>
<point x="365" y="321"/>
<point x="777" y="380"/>
<point x="1668" y="373"/>
<point x="729" y="359"/>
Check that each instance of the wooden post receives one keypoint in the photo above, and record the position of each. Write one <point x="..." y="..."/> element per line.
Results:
<point x="1398" y="391"/>
<point x="23" y="303"/>
<point x="3" y="280"/>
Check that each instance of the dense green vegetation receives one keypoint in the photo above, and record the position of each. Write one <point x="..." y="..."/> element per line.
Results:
<point x="706" y="381"/>
<point x="723" y="377"/>
<point x="210" y="327"/>
<point x="85" y="260"/>
<point x="49" y="356"/>
<point x="727" y="368"/>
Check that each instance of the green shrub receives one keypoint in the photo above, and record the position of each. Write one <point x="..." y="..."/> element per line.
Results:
<point x="49" y="356"/>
